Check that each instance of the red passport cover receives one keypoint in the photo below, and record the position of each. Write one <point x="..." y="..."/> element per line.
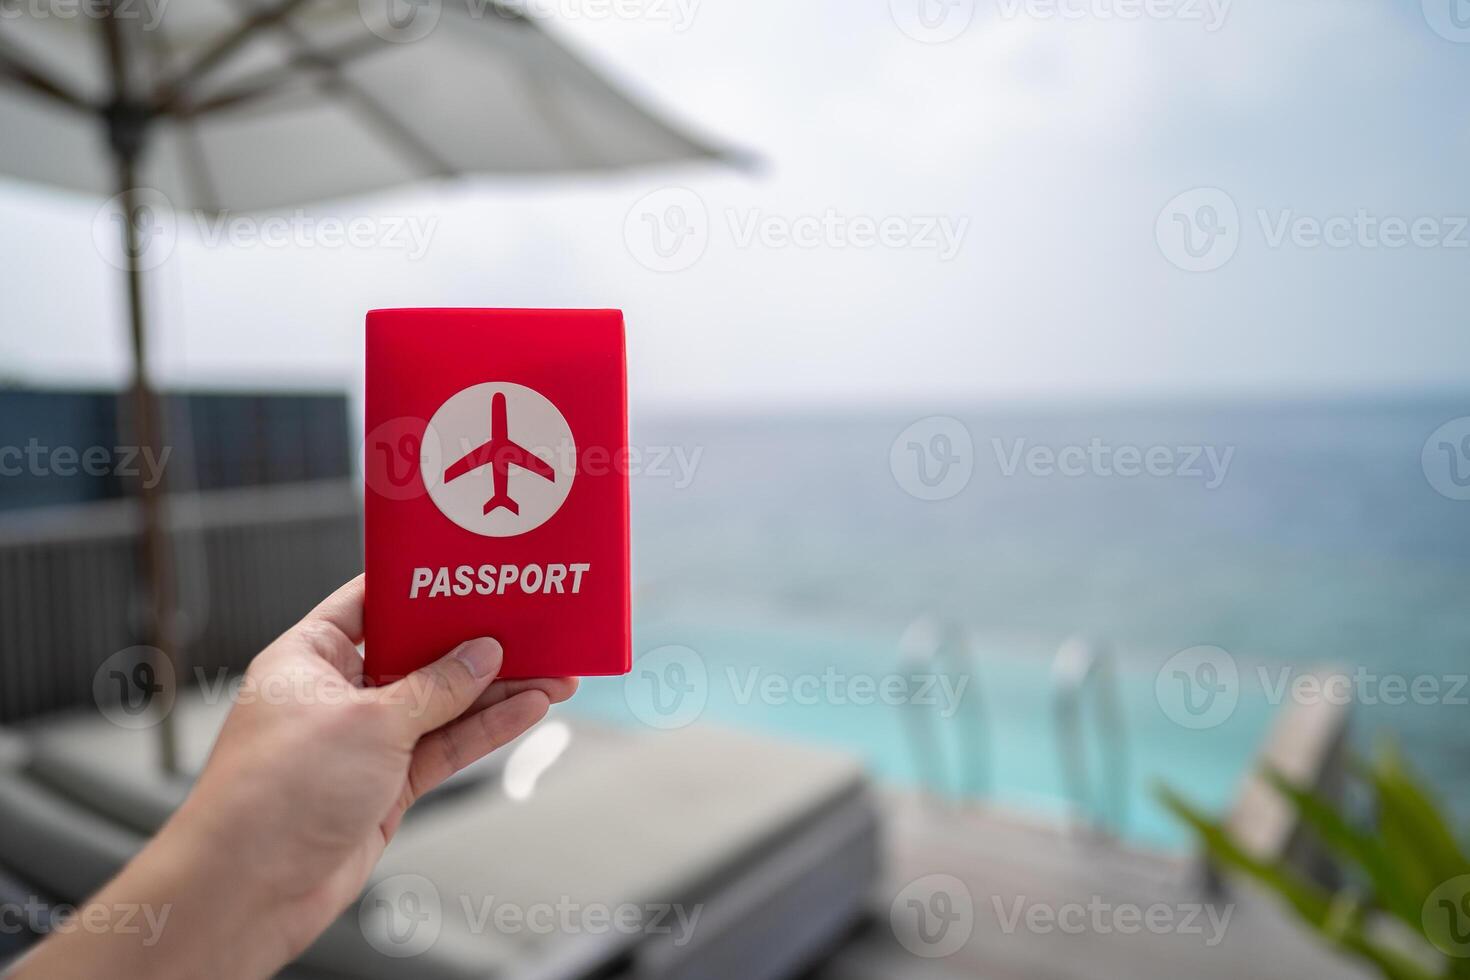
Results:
<point x="496" y="499"/>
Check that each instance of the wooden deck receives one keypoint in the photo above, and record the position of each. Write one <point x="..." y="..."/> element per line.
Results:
<point x="1017" y="867"/>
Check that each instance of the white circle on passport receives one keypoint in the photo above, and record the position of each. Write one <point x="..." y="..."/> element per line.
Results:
<point x="501" y="469"/>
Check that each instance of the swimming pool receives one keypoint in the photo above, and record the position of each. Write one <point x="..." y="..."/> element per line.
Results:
<point x="988" y="733"/>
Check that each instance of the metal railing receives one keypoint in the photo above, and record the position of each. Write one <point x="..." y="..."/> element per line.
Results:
<point x="953" y="760"/>
<point x="1083" y="672"/>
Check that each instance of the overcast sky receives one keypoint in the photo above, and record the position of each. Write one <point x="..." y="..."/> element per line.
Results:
<point x="1049" y="148"/>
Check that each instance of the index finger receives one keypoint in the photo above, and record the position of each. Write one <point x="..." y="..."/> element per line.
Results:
<point x="343" y="609"/>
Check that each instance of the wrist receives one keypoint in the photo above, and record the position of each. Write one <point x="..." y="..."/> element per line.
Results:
<point x="227" y="917"/>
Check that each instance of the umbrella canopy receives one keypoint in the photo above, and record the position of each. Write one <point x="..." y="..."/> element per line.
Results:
<point x="250" y="104"/>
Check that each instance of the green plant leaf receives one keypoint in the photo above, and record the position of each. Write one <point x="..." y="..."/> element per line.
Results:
<point x="1358" y="847"/>
<point x="1416" y="835"/>
<point x="1338" y="918"/>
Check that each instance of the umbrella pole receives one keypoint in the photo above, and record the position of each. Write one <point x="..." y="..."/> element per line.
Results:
<point x="160" y="627"/>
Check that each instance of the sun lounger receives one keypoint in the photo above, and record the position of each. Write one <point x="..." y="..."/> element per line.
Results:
<point x="772" y="846"/>
<point x="1307" y="744"/>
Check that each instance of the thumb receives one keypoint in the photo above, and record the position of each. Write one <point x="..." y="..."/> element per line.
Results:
<point x="435" y="695"/>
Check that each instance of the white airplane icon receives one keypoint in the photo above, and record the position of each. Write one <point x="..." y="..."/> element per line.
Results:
<point x="500" y="453"/>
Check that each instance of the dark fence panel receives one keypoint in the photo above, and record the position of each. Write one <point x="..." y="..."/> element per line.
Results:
<point x="215" y="441"/>
<point x="251" y="562"/>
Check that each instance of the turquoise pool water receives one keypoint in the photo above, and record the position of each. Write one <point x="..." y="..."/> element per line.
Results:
<point x="991" y="732"/>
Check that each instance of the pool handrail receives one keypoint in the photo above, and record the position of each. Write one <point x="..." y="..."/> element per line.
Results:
<point x="931" y="645"/>
<point x="1084" y="666"/>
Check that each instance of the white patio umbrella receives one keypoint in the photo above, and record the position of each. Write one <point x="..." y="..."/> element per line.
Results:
<point x="253" y="104"/>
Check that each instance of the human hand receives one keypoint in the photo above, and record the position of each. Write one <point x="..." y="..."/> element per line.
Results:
<point x="307" y="783"/>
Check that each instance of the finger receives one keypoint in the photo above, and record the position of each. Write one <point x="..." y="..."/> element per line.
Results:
<point x="441" y="754"/>
<point x="333" y="646"/>
<point x="556" y="689"/>
<point x="334" y="628"/>
<point x="343" y="608"/>
<point x="433" y="696"/>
